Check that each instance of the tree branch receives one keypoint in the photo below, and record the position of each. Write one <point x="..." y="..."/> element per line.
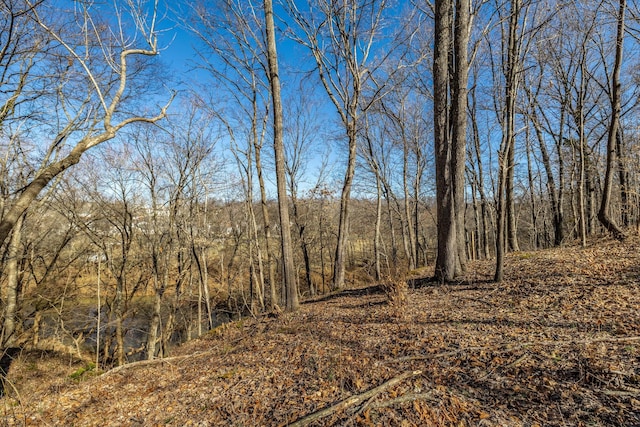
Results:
<point x="354" y="400"/>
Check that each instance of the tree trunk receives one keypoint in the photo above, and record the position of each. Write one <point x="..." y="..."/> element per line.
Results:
<point x="603" y="214"/>
<point x="288" y="268"/>
<point x="556" y="211"/>
<point x="507" y="146"/>
<point x="484" y="215"/>
<point x="339" y="265"/>
<point x="532" y="194"/>
<point x="411" y="242"/>
<point x="459" y="124"/>
<point x="271" y="265"/>
<point x="13" y="283"/>
<point x="154" y="325"/>
<point x="450" y="146"/>
<point x="119" y="313"/>
<point x="623" y="178"/>
<point x="376" y="238"/>
<point x="582" y="141"/>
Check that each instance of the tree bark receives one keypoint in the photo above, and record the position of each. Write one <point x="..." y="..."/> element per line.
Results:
<point x="614" y="129"/>
<point x="13" y="283"/>
<point x="289" y="278"/>
<point x="507" y="145"/>
<point x="450" y="146"/>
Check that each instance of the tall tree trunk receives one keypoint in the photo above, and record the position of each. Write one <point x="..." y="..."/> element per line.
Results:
<point x="614" y="129"/>
<point x="446" y="260"/>
<point x="507" y="146"/>
<point x="343" y="220"/>
<point x="512" y="224"/>
<point x="288" y="268"/>
<point x="582" y="141"/>
<point x="339" y="265"/>
<point x="556" y="210"/>
<point x="459" y="130"/>
<point x="450" y="146"/>
<point x="484" y="215"/>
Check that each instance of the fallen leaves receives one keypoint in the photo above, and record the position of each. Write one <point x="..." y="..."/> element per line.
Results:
<point x="554" y="345"/>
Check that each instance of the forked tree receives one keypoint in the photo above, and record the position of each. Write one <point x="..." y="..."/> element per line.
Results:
<point x="450" y="75"/>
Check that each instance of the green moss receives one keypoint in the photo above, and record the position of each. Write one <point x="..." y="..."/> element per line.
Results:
<point x="83" y="372"/>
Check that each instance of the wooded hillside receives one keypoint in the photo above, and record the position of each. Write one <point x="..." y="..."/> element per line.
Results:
<point x="557" y="344"/>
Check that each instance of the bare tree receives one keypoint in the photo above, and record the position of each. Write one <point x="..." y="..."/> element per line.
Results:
<point x="232" y="32"/>
<point x="88" y="121"/>
<point x="340" y="36"/>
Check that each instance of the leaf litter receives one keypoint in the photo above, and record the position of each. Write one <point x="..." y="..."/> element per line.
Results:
<point x="556" y="344"/>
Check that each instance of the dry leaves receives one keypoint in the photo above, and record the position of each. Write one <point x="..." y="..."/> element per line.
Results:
<point x="555" y="345"/>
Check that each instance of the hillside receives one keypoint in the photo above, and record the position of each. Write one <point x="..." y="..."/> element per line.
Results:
<point x="557" y="344"/>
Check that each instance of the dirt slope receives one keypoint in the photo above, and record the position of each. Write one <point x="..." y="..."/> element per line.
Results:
<point x="558" y="344"/>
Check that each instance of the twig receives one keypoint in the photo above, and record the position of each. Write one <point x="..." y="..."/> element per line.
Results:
<point x="354" y="400"/>
<point x="410" y="397"/>
<point x="142" y="363"/>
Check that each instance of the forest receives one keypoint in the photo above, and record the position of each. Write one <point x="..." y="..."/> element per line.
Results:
<point x="168" y="169"/>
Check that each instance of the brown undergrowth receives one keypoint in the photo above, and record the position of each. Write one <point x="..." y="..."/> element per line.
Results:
<point x="557" y="344"/>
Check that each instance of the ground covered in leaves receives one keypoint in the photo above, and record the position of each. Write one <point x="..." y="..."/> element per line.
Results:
<point x="556" y="344"/>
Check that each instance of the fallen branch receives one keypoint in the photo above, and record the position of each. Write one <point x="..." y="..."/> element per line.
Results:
<point x="142" y="363"/>
<point x="354" y="400"/>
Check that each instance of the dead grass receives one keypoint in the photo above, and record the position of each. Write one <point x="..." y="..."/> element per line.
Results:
<point x="557" y="344"/>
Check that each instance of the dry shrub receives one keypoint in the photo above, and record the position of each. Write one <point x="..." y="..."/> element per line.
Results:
<point x="396" y="292"/>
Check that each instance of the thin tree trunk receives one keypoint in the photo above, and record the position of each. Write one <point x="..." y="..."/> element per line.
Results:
<point x="623" y="178"/>
<point x="288" y="268"/>
<point x="556" y="210"/>
<point x="512" y="224"/>
<point x="392" y="230"/>
<point x="119" y="313"/>
<point x="271" y="265"/>
<point x="339" y="265"/>
<point x="532" y="194"/>
<point x="480" y="177"/>
<point x="507" y="145"/>
<point x="205" y="287"/>
<point x="154" y="325"/>
<point x="411" y="249"/>
<point x="304" y="245"/>
<point x="376" y="238"/>
<point x="582" y="141"/>
<point x="603" y="214"/>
